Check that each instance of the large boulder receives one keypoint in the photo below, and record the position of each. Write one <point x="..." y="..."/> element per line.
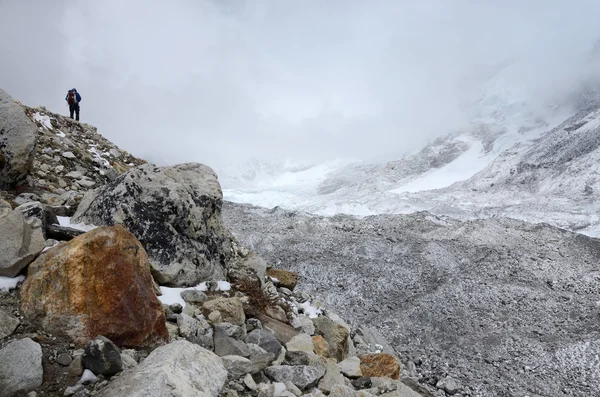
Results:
<point x="175" y="212"/>
<point x="18" y="136"/>
<point x="179" y="369"/>
<point x="20" y="367"/>
<point x="336" y="336"/>
<point x="22" y="240"/>
<point x="96" y="284"/>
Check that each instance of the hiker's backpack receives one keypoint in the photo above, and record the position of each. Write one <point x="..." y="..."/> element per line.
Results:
<point x="71" y="97"/>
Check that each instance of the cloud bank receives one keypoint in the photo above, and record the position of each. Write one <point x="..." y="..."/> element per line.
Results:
<point x="222" y="81"/>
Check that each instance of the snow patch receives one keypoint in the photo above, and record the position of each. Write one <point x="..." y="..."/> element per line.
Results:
<point x="44" y="120"/>
<point x="310" y="311"/>
<point x="66" y="221"/>
<point x="171" y="295"/>
<point x="8" y="283"/>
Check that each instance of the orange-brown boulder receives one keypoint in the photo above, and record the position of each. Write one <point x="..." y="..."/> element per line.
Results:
<point x="380" y="365"/>
<point x="99" y="283"/>
<point x="321" y="346"/>
<point x="286" y="279"/>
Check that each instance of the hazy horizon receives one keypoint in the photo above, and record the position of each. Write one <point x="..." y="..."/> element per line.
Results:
<point x="219" y="82"/>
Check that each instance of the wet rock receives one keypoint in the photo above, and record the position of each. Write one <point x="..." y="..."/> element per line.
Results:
<point x="20" y="367"/>
<point x="74" y="290"/>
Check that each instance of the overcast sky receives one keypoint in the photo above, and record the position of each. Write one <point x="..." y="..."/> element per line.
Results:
<point x="220" y="81"/>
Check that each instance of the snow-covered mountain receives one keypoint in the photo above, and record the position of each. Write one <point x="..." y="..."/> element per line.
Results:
<point x="519" y="158"/>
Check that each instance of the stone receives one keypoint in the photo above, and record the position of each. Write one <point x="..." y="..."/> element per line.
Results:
<point x="74" y="175"/>
<point x="293" y="389"/>
<point x="86" y="183"/>
<point x="72" y="390"/>
<point x="285" y="278"/>
<point x="193" y="296"/>
<point x="363" y="382"/>
<point x="449" y="385"/>
<point x="375" y="343"/>
<point x="20" y="367"/>
<point x="233" y="331"/>
<point x="303" y="324"/>
<point x="276" y="313"/>
<point x="302" y="342"/>
<point x="180" y="368"/>
<point x="231" y="309"/>
<point x="252" y="324"/>
<point x="251" y="268"/>
<point x="380" y="364"/>
<point x="64" y="359"/>
<point x="283" y="332"/>
<point x="249" y="382"/>
<point x="195" y="330"/>
<point x="75" y="368"/>
<point x="102" y="357"/>
<point x="303" y="376"/>
<point x="176" y="308"/>
<point x="227" y="346"/>
<point x="68" y="155"/>
<point x="299" y="357"/>
<point x="336" y="336"/>
<point x="350" y="367"/>
<point x="5" y="208"/>
<point x="321" y="345"/>
<point x="260" y="361"/>
<point x="173" y="331"/>
<point x="8" y="324"/>
<point x="128" y="361"/>
<point x="22" y="240"/>
<point x="345" y="391"/>
<point x="175" y="212"/>
<point x="99" y="283"/>
<point x="264" y="339"/>
<point x="237" y="366"/>
<point x="215" y="317"/>
<point x="332" y="377"/>
<point x="18" y="138"/>
<point x="404" y="391"/>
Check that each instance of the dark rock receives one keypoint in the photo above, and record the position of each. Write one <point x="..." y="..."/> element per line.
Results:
<point x="362" y="383"/>
<point x="62" y="233"/>
<point x="227" y="346"/>
<point x="264" y="339"/>
<point x="102" y="357"/>
<point x="194" y="296"/>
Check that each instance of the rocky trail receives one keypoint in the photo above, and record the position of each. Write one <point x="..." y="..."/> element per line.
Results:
<point x="119" y="278"/>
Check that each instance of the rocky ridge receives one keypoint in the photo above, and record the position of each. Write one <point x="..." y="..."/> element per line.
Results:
<point x="82" y="316"/>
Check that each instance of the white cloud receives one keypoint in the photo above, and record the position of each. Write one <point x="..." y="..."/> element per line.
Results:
<point x="218" y="82"/>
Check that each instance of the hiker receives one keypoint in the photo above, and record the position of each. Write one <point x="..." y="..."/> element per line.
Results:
<point x="73" y="98"/>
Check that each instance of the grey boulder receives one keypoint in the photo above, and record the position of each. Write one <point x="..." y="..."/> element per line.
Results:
<point x="264" y="339"/>
<point x="303" y="376"/>
<point x="174" y="211"/>
<point x="180" y="369"/>
<point x="21" y="240"/>
<point x="18" y="136"/>
<point x="8" y="324"/>
<point x="20" y="367"/>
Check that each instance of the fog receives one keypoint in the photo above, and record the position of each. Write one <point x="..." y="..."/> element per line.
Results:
<point x="219" y="82"/>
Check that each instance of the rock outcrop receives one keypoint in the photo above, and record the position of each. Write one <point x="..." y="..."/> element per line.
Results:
<point x="175" y="212"/>
<point x="97" y="284"/>
<point x="18" y="136"/>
